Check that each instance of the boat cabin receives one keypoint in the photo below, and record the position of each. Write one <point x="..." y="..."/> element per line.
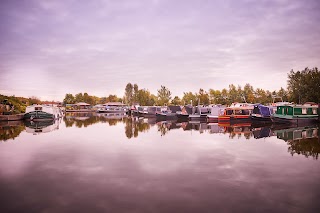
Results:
<point x="297" y="110"/>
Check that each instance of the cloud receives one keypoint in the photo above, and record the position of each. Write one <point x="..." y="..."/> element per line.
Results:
<point x="122" y="41"/>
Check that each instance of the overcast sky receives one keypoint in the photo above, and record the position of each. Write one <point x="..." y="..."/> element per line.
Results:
<point x="50" y="48"/>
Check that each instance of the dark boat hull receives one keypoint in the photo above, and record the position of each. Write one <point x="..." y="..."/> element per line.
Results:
<point x="38" y="116"/>
<point x="295" y="121"/>
<point x="261" y="119"/>
<point x="198" y="117"/>
<point x="166" y="116"/>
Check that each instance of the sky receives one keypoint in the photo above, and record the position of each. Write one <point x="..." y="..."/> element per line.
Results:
<point x="50" y="47"/>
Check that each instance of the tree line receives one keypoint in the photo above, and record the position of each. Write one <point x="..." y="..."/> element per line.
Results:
<point x="302" y="86"/>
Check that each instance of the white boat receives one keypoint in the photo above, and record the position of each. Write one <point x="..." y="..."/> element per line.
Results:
<point x="113" y="107"/>
<point x="42" y="112"/>
<point x="37" y="127"/>
<point x="199" y="113"/>
<point x="215" y="112"/>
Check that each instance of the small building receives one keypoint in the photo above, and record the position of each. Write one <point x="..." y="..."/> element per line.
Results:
<point x="78" y="107"/>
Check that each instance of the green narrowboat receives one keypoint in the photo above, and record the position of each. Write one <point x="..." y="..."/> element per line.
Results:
<point x="296" y="114"/>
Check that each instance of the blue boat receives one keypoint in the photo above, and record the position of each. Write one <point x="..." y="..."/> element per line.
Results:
<point x="261" y="113"/>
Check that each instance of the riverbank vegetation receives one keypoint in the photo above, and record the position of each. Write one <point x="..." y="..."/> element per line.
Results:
<point x="303" y="86"/>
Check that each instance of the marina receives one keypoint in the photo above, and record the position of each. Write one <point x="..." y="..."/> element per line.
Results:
<point x="166" y="158"/>
<point x="159" y="106"/>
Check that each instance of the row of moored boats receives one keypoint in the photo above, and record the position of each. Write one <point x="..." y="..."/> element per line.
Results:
<point x="238" y="112"/>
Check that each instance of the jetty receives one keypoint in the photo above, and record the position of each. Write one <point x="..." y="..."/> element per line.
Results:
<point x="16" y="117"/>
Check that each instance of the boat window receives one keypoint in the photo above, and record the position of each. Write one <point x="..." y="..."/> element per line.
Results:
<point x="256" y="110"/>
<point x="314" y="111"/>
<point x="245" y="112"/>
<point x="229" y="112"/>
<point x="304" y="110"/>
<point x="38" y="108"/>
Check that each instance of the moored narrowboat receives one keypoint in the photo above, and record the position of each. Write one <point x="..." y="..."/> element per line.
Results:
<point x="261" y="113"/>
<point x="296" y="114"/>
<point x="215" y="112"/>
<point x="183" y="115"/>
<point x="200" y="114"/>
<point x="42" y="112"/>
<point x="236" y="114"/>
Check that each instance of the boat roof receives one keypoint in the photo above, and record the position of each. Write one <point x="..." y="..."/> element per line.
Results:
<point x="239" y="108"/>
<point x="300" y="106"/>
<point x="114" y="104"/>
<point x="81" y="104"/>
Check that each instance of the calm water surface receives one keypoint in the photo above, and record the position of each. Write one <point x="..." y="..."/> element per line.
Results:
<point x="105" y="163"/>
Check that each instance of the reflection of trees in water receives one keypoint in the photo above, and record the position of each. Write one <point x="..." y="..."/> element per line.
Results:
<point x="301" y="140"/>
<point x="10" y="131"/>
<point x="133" y="126"/>
<point x="238" y="131"/>
<point x="86" y="119"/>
<point x="163" y="128"/>
<point x="309" y="147"/>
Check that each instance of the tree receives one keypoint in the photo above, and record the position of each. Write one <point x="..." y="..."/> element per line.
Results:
<point x="34" y="100"/>
<point x="103" y="100"/>
<point x="226" y="97"/>
<point x="164" y="96"/>
<point x="248" y="93"/>
<point x="135" y="93"/>
<point x="79" y="98"/>
<point x="304" y="85"/>
<point x="144" y="98"/>
<point x="283" y="94"/>
<point x="112" y="98"/>
<point x="189" y="98"/>
<point x="68" y="99"/>
<point x="176" y="101"/>
<point x="233" y="94"/>
<point x="128" y="94"/>
<point x="203" y="97"/>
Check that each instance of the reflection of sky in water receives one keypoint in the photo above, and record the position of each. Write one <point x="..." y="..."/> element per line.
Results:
<point x="98" y="168"/>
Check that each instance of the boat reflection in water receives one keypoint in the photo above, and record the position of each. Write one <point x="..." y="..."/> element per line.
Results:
<point x="262" y="132"/>
<point x="86" y="119"/>
<point x="301" y="140"/>
<point x="45" y="126"/>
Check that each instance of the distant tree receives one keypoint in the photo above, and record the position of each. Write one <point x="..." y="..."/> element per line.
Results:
<point x="176" y="101"/>
<point x="68" y="99"/>
<point x="79" y="98"/>
<point x="103" y="100"/>
<point x="248" y="93"/>
<point x="34" y="100"/>
<point x="215" y="96"/>
<point x="233" y="94"/>
<point x="283" y="94"/>
<point x="189" y="98"/>
<point x="88" y="99"/>
<point x="153" y="100"/>
<point x="144" y="98"/>
<point x="135" y="93"/>
<point x="304" y="85"/>
<point x="128" y="94"/>
<point x="164" y="96"/>
<point x="112" y="98"/>
<point x="203" y="97"/>
<point x="226" y="97"/>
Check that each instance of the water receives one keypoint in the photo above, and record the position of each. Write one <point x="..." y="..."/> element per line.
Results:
<point x="99" y="163"/>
